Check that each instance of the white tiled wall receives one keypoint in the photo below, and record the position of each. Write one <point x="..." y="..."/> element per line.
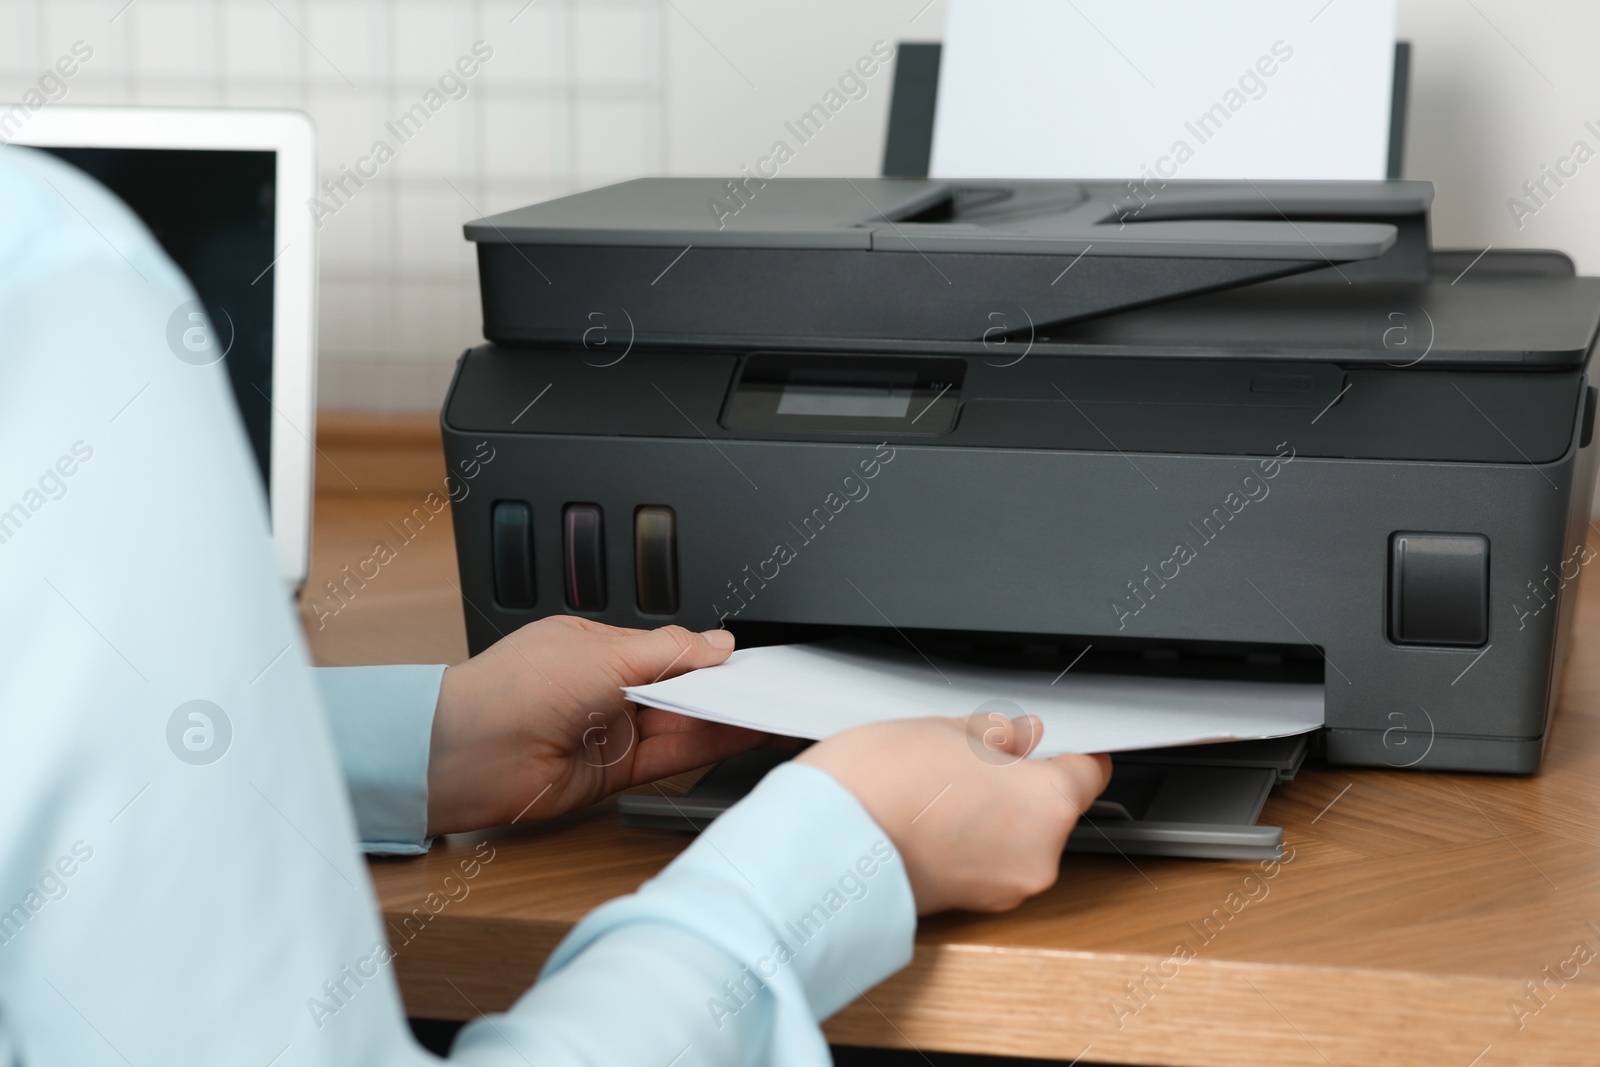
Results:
<point x="572" y="98"/>
<point x="582" y="92"/>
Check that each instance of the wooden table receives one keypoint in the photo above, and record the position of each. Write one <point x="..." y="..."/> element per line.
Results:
<point x="1403" y="930"/>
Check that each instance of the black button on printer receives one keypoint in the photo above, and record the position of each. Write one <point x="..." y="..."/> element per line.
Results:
<point x="511" y="549"/>
<point x="1439" y="589"/>
<point x="655" y="559"/>
<point x="584" y="526"/>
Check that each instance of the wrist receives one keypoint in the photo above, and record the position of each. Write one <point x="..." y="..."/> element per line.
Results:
<point x="445" y="755"/>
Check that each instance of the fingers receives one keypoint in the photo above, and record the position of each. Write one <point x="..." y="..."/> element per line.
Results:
<point x="671" y="651"/>
<point x="1028" y="731"/>
<point x="1103" y="761"/>
<point x="1006" y="737"/>
<point x="674" y="751"/>
<point x="654" y="721"/>
<point x="1079" y="778"/>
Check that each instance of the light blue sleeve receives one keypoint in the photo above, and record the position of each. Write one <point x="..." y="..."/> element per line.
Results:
<point x="179" y="875"/>
<point x="787" y="908"/>
<point x="382" y="722"/>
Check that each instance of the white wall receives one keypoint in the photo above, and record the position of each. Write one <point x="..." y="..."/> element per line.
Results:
<point x="793" y="54"/>
<point x="584" y="93"/>
<point x="1495" y="96"/>
<point x="571" y="98"/>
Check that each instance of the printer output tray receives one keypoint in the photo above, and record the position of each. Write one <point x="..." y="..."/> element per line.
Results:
<point x="1199" y="802"/>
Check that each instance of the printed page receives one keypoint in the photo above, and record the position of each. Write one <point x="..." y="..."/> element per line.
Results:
<point x="1165" y="89"/>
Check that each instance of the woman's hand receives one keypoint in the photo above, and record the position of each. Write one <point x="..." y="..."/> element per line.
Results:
<point x="537" y="724"/>
<point x="977" y="825"/>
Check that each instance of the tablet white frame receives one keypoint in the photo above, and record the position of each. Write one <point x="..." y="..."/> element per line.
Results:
<point x="293" y="137"/>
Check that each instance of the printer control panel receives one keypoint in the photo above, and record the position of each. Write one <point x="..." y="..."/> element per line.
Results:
<point x="836" y="393"/>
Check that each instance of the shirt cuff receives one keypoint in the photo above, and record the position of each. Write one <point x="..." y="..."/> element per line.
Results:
<point x="796" y="882"/>
<point x="382" y="721"/>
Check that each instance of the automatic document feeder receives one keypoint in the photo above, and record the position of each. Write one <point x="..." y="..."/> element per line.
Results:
<point x="1209" y="429"/>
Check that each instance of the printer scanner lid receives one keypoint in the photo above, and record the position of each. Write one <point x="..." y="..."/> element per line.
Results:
<point x="1206" y="219"/>
<point x="1336" y="271"/>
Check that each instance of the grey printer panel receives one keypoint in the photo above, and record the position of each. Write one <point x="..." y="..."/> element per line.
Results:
<point x="1047" y="401"/>
<point x="1284" y="548"/>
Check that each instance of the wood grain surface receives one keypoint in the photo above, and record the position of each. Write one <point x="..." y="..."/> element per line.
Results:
<point x="1419" y="919"/>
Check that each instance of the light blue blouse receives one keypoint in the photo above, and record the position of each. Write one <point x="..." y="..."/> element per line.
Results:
<point x="180" y="880"/>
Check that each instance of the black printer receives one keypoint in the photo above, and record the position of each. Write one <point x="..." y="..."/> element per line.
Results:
<point x="1254" y="429"/>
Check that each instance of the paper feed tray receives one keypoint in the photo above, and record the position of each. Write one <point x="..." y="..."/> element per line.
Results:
<point x="1199" y="802"/>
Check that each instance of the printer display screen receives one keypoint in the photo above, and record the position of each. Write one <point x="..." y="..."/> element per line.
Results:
<point x="779" y="392"/>
<point x="858" y="395"/>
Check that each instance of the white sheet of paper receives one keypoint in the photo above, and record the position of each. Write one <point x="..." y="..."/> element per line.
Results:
<point x="816" y="691"/>
<point x="1109" y="89"/>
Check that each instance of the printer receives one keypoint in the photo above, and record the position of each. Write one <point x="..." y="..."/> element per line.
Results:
<point x="1211" y="429"/>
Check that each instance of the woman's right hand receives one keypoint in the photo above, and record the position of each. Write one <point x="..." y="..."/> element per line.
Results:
<point x="977" y="825"/>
